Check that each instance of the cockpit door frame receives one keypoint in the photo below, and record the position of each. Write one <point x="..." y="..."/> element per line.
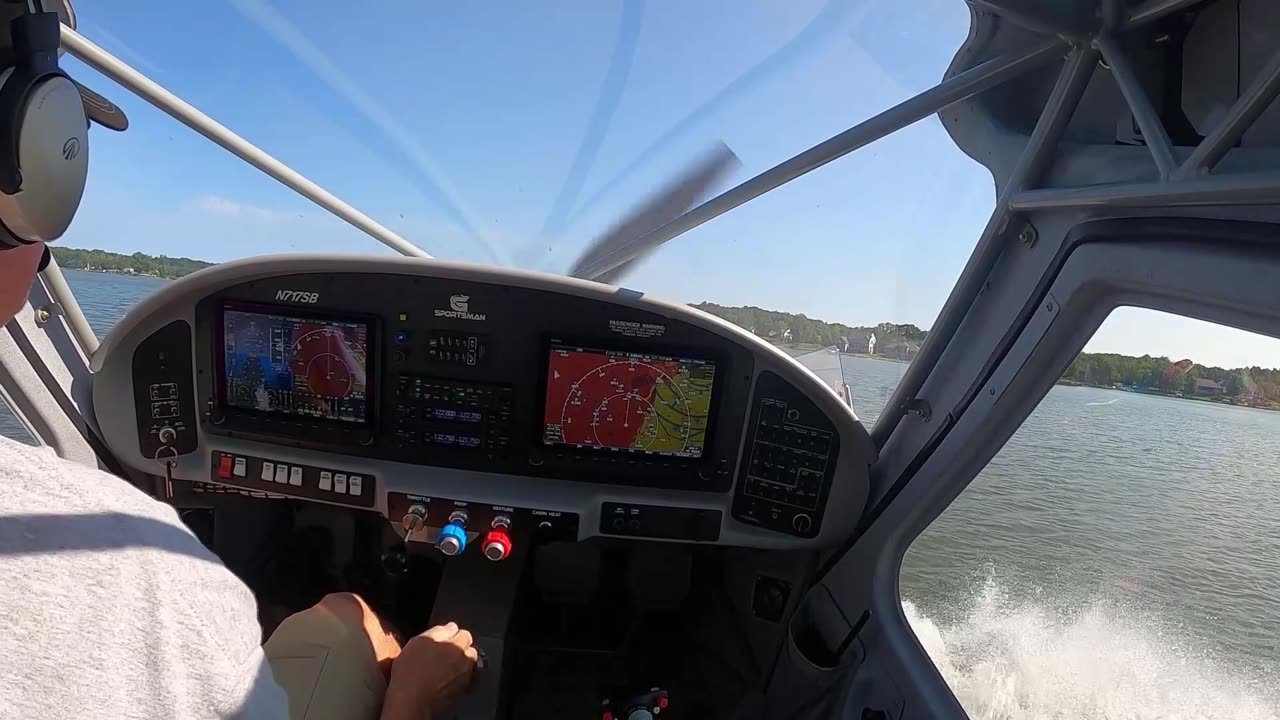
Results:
<point x="849" y="650"/>
<point x="45" y="377"/>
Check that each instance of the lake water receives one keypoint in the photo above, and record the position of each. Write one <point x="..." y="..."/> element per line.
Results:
<point x="1119" y="559"/>
<point x="104" y="298"/>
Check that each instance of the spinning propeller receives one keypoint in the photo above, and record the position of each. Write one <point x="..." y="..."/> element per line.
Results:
<point x="615" y="253"/>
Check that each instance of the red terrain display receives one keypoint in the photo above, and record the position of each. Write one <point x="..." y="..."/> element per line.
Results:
<point x="627" y="401"/>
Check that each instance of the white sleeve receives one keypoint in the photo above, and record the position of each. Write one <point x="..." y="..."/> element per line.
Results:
<point x="114" y="607"/>
<point x="259" y="696"/>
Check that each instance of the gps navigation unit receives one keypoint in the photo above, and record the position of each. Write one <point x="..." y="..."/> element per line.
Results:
<point x="278" y="362"/>
<point x="627" y="402"/>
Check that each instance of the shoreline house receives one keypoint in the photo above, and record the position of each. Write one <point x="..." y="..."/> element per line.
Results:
<point x="901" y="350"/>
<point x="1205" y="386"/>
<point x="857" y="342"/>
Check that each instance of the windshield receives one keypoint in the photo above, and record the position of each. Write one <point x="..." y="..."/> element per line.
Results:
<point x="517" y="138"/>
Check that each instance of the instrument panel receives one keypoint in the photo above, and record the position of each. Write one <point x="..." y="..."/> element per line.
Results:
<point x="466" y="384"/>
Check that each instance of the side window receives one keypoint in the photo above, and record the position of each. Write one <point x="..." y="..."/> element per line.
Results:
<point x="105" y="293"/>
<point x="1120" y="556"/>
<point x="11" y="428"/>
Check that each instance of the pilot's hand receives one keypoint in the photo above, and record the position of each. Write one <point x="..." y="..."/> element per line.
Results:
<point x="433" y="670"/>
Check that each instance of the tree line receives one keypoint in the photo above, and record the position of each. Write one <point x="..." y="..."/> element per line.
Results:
<point x="1153" y="374"/>
<point x="135" y="264"/>
<point x="773" y="324"/>
<point x="1160" y="374"/>
<point x="1256" y="385"/>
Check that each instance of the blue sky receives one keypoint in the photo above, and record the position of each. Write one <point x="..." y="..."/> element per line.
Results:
<point x="516" y="136"/>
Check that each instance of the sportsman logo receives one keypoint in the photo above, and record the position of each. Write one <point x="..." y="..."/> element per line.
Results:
<point x="459" y="309"/>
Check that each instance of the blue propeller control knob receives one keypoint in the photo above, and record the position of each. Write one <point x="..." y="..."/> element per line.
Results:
<point x="452" y="539"/>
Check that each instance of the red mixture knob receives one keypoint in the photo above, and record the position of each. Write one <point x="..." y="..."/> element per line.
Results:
<point x="497" y="544"/>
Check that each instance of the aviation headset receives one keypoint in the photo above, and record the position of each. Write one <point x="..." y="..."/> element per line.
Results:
<point x="44" y="136"/>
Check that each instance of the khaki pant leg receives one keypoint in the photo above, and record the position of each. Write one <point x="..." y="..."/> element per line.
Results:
<point x="326" y="666"/>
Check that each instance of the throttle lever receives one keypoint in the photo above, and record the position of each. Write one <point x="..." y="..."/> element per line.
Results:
<point x="396" y="559"/>
<point x="414" y="520"/>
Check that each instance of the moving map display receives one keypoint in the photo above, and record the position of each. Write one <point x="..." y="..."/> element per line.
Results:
<point x="296" y="366"/>
<point x="632" y="402"/>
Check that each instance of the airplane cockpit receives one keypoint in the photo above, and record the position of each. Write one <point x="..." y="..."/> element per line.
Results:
<point x="636" y="507"/>
<point x="478" y="428"/>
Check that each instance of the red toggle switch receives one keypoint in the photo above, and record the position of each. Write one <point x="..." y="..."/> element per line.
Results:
<point x="224" y="466"/>
<point x="497" y="544"/>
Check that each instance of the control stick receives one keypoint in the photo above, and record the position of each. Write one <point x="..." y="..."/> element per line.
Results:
<point x="645" y="706"/>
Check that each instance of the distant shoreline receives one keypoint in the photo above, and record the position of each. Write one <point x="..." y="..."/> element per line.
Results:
<point x="1219" y="400"/>
<point x="138" y="264"/>
<point x="900" y="361"/>
<point x="103" y="271"/>
<point x="802" y="348"/>
<point x="1066" y="382"/>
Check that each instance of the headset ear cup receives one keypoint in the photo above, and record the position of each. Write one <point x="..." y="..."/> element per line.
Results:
<point x="8" y="239"/>
<point x="52" y="146"/>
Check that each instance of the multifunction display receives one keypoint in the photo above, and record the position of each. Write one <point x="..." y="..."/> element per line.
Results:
<point x="627" y="402"/>
<point x="278" y="362"/>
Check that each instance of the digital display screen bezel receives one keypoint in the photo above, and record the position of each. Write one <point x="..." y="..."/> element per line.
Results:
<point x="597" y="345"/>
<point x="372" y="375"/>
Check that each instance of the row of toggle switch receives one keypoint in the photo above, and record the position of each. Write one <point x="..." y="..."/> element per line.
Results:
<point x="283" y="473"/>
<point x="289" y="479"/>
<point x="231" y="466"/>
<point x="340" y="483"/>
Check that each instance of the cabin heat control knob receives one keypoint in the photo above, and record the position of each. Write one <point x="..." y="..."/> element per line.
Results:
<point x="452" y="539"/>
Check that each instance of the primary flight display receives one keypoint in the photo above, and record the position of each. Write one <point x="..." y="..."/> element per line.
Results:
<point x="627" y="402"/>
<point x="278" y="363"/>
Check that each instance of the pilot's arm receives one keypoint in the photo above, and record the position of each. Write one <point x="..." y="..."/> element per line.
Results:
<point x="114" y="609"/>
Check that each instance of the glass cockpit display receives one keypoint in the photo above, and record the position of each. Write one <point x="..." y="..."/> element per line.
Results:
<point x="631" y="402"/>
<point x="278" y="363"/>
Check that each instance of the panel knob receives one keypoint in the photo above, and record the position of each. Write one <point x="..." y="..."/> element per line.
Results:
<point x="167" y="435"/>
<point x="452" y="539"/>
<point x="413" y="520"/>
<point x="802" y="523"/>
<point x="497" y="544"/>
